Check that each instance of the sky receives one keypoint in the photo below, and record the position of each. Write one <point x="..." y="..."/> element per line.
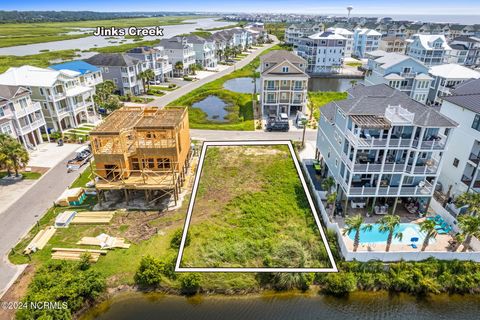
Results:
<point x="399" y="7"/>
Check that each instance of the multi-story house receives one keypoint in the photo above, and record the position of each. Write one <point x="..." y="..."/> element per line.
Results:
<point x="446" y="77"/>
<point x="460" y="172"/>
<point x="364" y="41"/>
<point x="142" y="148"/>
<point x="348" y="35"/>
<point x="324" y="52"/>
<point x="429" y="49"/>
<point x="400" y="72"/>
<point x="205" y="51"/>
<point x="180" y="53"/>
<point x="89" y="75"/>
<point x="471" y="45"/>
<point x="122" y="69"/>
<point x="64" y="100"/>
<point x="283" y="83"/>
<point x="392" y="44"/>
<point x="20" y="117"/>
<point x="381" y="146"/>
<point x="294" y="32"/>
<point x="154" y="59"/>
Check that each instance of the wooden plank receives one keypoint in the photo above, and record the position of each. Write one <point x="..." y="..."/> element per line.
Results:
<point x="79" y="250"/>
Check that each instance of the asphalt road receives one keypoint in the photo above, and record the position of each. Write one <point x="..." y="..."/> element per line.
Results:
<point x="174" y="95"/>
<point x="23" y="214"/>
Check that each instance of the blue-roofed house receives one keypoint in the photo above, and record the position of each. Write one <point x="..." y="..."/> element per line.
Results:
<point x="90" y="75"/>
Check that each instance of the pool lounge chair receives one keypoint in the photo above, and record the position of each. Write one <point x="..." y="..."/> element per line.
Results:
<point x="446" y="230"/>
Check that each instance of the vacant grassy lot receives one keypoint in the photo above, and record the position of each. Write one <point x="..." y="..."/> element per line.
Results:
<point x="14" y="34"/>
<point x="251" y="211"/>
<point x="321" y="98"/>
<point x="240" y="108"/>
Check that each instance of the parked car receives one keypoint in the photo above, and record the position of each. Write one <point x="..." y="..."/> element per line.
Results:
<point x="278" y="126"/>
<point x="283" y="117"/>
<point x="299" y="119"/>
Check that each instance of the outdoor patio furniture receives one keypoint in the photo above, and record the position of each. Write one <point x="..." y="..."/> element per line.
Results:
<point x="317" y="166"/>
<point x="446" y="230"/>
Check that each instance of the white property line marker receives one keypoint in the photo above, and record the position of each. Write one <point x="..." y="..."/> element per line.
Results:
<point x="207" y="144"/>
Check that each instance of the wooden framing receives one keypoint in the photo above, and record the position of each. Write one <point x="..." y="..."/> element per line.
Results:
<point x="142" y="148"/>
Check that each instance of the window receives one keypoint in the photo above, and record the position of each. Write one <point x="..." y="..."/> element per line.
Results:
<point x="163" y="163"/>
<point x="476" y="122"/>
<point x="456" y="162"/>
<point x="284" y="69"/>
<point x="105" y="69"/>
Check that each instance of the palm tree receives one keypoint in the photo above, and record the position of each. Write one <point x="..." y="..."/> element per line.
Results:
<point x="470" y="226"/>
<point x="470" y="199"/>
<point x="13" y="154"/>
<point x="193" y="68"/>
<point x="304" y="124"/>
<point x="328" y="183"/>
<point x="142" y="76"/>
<point x="219" y="54"/>
<point x="149" y="75"/>
<point x="355" y="224"/>
<point x="428" y="227"/>
<point x="103" y="91"/>
<point x="179" y="66"/>
<point x="388" y="224"/>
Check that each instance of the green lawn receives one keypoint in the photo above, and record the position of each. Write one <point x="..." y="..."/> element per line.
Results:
<point x="84" y="177"/>
<point x="354" y="64"/>
<point x="321" y="98"/>
<point x="251" y="211"/>
<point x="26" y="175"/>
<point x="240" y="116"/>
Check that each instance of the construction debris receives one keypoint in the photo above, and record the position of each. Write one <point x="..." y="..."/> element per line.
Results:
<point x="105" y="242"/>
<point x="64" y="219"/>
<point x="93" y="217"/>
<point x="76" y="254"/>
<point x="40" y="240"/>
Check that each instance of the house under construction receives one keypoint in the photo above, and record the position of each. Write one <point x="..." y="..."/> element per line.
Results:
<point x="142" y="148"/>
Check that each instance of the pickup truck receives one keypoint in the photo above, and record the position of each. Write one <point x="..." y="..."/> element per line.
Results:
<point x="82" y="155"/>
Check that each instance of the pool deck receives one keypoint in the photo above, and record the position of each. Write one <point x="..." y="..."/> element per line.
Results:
<point x="441" y="243"/>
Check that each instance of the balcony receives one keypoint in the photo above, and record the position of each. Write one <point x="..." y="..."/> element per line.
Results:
<point x="424" y="188"/>
<point x="435" y="144"/>
<point x="32" y="126"/>
<point x="408" y="74"/>
<point x="376" y="142"/>
<point x="30" y="109"/>
<point x="57" y="96"/>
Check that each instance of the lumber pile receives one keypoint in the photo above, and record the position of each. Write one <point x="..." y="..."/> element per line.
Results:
<point x="104" y="241"/>
<point x="93" y="217"/>
<point x="76" y="254"/>
<point x="40" y="240"/>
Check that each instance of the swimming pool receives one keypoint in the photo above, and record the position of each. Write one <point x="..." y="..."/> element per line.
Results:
<point x="409" y="231"/>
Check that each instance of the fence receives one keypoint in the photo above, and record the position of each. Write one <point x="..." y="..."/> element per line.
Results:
<point x="397" y="255"/>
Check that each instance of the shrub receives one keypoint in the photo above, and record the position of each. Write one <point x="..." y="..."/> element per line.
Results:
<point x="190" y="283"/>
<point x="169" y="267"/>
<point x="177" y="239"/>
<point x="149" y="272"/>
<point x="338" y="283"/>
<point x="64" y="283"/>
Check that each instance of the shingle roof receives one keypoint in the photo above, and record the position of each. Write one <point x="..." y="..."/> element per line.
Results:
<point x="112" y="59"/>
<point x="281" y="55"/>
<point x="373" y="100"/>
<point x="10" y="92"/>
<point x="466" y="95"/>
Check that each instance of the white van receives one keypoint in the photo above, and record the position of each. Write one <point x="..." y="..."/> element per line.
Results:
<point x="299" y="118"/>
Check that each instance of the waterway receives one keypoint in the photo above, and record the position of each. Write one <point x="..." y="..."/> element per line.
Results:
<point x="359" y="306"/>
<point x="330" y="84"/>
<point x="214" y="107"/>
<point x="93" y="41"/>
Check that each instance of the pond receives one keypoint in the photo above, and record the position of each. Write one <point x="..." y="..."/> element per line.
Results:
<point x="214" y="107"/>
<point x="242" y="85"/>
<point x="359" y="305"/>
<point x="330" y="84"/>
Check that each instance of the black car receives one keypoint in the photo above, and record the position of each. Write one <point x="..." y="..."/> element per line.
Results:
<point x="278" y="126"/>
